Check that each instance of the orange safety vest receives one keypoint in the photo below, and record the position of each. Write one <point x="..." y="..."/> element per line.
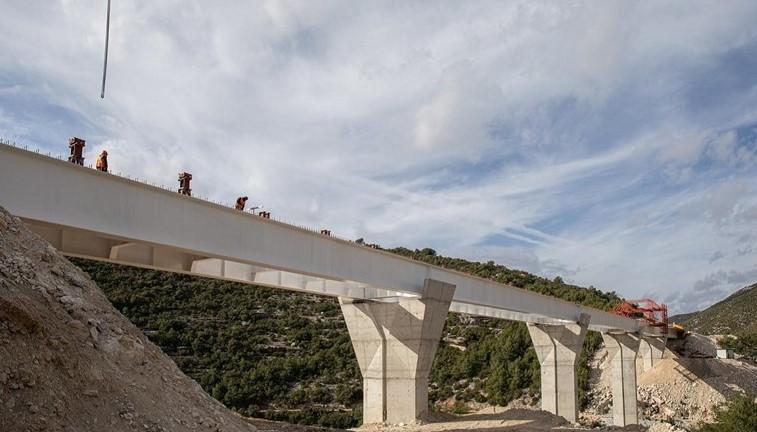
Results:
<point x="101" y="163"/>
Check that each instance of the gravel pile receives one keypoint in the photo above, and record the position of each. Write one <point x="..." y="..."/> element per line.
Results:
<point x="679" y="392"/>
<point x="69" y="361"/>
<point x="685" y="391"/>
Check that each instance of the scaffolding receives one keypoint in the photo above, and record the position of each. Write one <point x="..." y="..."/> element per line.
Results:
<point x="655" y="314"/>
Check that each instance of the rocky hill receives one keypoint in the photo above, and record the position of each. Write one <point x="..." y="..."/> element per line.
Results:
<point x="70" y="361"/>
<point x="733" y="315"/>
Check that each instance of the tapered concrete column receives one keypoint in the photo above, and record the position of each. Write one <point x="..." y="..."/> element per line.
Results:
<point x="622" y="350"/>
<point x="395" y="343"/>
<point x="651" y="350"/>
<point x="558" y="347"/>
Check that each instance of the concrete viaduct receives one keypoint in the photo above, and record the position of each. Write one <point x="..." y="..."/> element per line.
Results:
<point x="395" y="308"/>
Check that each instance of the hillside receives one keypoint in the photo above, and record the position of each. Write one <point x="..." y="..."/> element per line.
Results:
<point x="70" y="361"/>
<point x="682" y="318"/>
<point x="287" y="356"/>
<point x="733" y="315"/>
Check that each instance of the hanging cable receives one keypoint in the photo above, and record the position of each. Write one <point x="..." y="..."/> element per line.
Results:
<point x="105" y="62"/>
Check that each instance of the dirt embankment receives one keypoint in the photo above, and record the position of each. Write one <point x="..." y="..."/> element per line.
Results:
<point x="685" y="391"/>
<point x="680" y="392"/>
<point x="70" y="362"/>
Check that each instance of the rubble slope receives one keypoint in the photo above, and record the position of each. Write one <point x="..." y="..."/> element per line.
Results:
<point x="679" y="392"/>
<point x="70" y="362"/>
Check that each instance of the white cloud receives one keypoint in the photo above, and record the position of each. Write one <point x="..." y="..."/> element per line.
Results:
<point x="565" y="127"/>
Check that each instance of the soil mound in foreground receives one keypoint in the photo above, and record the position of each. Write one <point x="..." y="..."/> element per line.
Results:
<point x="69" y="361"/>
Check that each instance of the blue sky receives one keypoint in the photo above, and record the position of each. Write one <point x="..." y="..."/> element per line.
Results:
<point x="612" y="143"/>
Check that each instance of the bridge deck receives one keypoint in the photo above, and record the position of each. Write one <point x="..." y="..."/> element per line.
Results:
<point x="88" y="213"/>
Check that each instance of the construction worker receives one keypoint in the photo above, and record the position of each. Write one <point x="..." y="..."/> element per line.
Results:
<point x="241" y="202"/>
<point x="102" y="162"/>
<point x="184" y="179"/>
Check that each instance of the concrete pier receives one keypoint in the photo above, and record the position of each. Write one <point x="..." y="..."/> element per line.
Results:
<point x="558" y="348"/>
<point x="651" y="350"/>
<point x="395" y="342"/>
<point x="622" y="350"/>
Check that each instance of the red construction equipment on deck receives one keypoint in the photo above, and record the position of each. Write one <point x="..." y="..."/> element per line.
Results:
<point x="654" y="314"/>
<point x="76" y="145"/>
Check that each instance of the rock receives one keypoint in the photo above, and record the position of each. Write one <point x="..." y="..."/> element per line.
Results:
<point x="48" y="255"/>
<point x="75" y="279"/>
<point x="668" y="413"/>
<point x="71" y="301"/>
<point x="50" y="380"/>
<point x="98" y="324"/>
<point x="76" y="324"/>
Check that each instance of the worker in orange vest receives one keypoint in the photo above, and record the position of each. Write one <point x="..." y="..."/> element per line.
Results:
<point x="241" y="201"/>
<point x="102" y="162"/>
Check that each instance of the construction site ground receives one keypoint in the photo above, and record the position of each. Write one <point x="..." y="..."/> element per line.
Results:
<point x="679" y="393"/>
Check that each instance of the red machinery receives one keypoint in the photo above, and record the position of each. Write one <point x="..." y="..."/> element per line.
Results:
<point x="653" y="313"/>
<point x="77" y="148"/>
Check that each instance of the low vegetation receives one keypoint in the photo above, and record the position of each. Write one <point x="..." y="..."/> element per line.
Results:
<point x="744" y="344"/>
<point x="287" y="356"/>
<point x="738" y="415"/>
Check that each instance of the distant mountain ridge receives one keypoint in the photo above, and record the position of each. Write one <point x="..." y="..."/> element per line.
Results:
<point x="682" y="318"/>
<point x="736" y="314"/>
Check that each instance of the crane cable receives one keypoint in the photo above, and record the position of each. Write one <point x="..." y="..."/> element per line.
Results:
<point x="105" y="62"/>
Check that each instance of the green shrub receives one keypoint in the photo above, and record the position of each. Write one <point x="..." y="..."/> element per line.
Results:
<point x="460" y="408"/>
<point x="737" y="415"/>
<point x="744" y="344"/>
